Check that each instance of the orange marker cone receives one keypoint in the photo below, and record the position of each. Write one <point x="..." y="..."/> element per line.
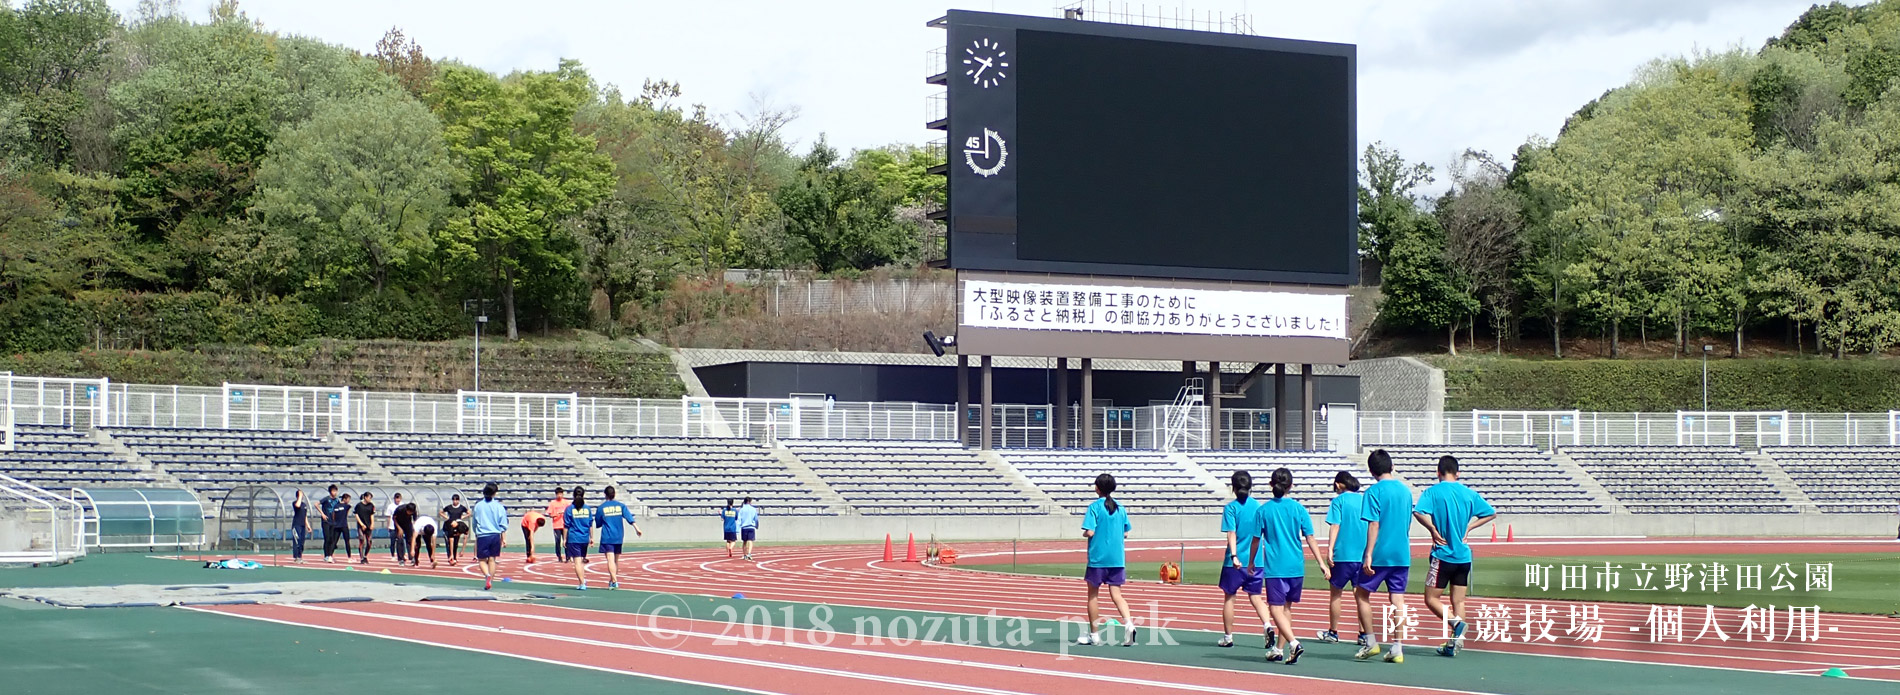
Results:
<point x="910" y="549"/>
<point x="1509" y="534"/>
<point x="1494" y="537"/>
<point x="887" y="547"/>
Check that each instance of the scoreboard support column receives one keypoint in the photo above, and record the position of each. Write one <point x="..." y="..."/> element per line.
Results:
<point x="1279" y="406"/>
<point x="1213" y="405"/>
<point x="984" y="411"/>
<point x="1088" y="403"/>
<point x="962" y="422"/>
<point x="1308" y="424"/>
<point x="1061" y="440"/>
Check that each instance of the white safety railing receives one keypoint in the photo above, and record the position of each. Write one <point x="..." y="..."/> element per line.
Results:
<point x="318" y="410"/>
<point x="60" y="401"/>
<point x="547" y="415"/>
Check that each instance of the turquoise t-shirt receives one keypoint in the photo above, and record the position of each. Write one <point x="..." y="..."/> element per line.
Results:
<point x="1348" y="511"/>
<point x="1283" y="525"/>
<point x="1237" y="517"/>
<point x="1389" y="502"/>
<point x="1452" y="506"/>
<point x="1111" y="529"/>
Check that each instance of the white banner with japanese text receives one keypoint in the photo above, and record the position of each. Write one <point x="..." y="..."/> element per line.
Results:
<point x="1156" y="310"/>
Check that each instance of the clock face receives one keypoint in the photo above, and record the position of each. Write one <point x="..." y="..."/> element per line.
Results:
<point x="985" y="63"/>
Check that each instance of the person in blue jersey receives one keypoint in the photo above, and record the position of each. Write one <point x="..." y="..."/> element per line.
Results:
<point x="1281" y="527"/>
<point x="1236" y="520"/>
<point x="578" y="521"/>
<point x="748" y="525"/>
<point x="608" y="516"/>
<point x="1388" y="556"/>
<point x="1450" y="511"/>
<point x="1347" y="539"/>
<point x="1106" y="527"/>
<point x="730" y="518"/>
<point x="335" y="525"/>
<point x="491" y="519"/>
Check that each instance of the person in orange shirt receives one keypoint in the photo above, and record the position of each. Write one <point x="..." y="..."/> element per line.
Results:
<point x="531" y="522"/>
<point x="557" y="513"/>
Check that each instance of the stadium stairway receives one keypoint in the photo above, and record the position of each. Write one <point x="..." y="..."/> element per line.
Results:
<point x="596" y="480"/>
<point x="349" y="452"/>
<point x="1016" y="478"/>
<point x="804" y="474"/>
<point x="145" y="465"/>
<point x="1803" y="504"/>
<point x="1213" y="482"/>
<point x="1587" y="482"/>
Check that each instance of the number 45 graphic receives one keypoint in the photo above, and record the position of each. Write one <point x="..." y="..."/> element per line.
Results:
<point x="985" y="155"/>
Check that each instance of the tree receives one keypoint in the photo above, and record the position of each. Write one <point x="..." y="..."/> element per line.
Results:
<point x="1388" y="202"/>
<point x="46" y="48"/>
<point x="1483" y="222"/>
<point x="361" y="186"/>
<point x="523" y="172"/>
<point x="402" y="58"/>
<point x="843" y="215"/>
<point x="1421" y="289"/>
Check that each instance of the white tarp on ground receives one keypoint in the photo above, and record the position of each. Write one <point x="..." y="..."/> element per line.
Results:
<point x="137" y="595"/>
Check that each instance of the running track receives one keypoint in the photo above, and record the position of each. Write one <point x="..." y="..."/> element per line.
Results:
<point x="1867" y="646"/>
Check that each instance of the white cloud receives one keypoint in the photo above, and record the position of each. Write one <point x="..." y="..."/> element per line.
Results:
<point x="1435" y="76"/>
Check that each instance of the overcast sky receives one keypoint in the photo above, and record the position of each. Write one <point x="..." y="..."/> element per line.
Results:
<point x="1435" y="76"/>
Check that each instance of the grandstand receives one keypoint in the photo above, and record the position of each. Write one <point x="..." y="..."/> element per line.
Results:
<point x="912" y="477"/>
<point x="691" y="476"/>
<point x="1843" y="479"/>
<point x="1681" y="479"/>
<point x="1313" y="472"/>
<point x="59" y="458"/>
<point x="1148" y="482"/>
<point x="526" y="468"/>
<point x="214" y="461"/>
<point x="1514" y="479"/>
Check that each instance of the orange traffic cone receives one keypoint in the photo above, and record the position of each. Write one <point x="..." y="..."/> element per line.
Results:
<point x="888" y="557"/>
<point x="1494" y="539"/>
<point x="1509" y="534"/>
<point x="910" y="549"/>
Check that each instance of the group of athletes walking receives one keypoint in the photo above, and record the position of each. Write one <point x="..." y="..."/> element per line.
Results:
<point x="1267" y="541"/>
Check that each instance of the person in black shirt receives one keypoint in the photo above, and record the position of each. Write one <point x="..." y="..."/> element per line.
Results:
<point x="402" y="523"/>
<point x="299" y="526"/>
<point x="365" y="512"/>
<point x="335" y="525"/>
<point x="454" y="526"/>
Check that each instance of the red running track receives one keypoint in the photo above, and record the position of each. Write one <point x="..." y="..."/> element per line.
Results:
<point x="1868" y="646"/>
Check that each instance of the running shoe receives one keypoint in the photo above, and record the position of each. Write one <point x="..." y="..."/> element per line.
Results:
<point x="1448" y="649"/>
<point x="488" y="584"/>
<point x="1273" y="638"/>
<point x="1130" y="642"/>
<point x="1329" y="636"/>
<point x="1275" y="655"/>
<point x="1293" y="657"/>
<point x="1458" y="630"/>
<point x="1396" y="656"/>
<point x="1225" y="641"/>
<point x="582" y="587"/>
<point x="613" y="585"/>
<point x="1088" y="638"/>
<point x="1366" y="652"/>
<point x="1363" y="640"/>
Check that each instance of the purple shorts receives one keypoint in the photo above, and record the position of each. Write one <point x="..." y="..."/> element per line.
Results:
<point x="1345" y="573"/>
<point x="1393" y="577"/>
<point x="577" y="551"/>
<point x="1112" y="576"/>
<point x="1284" y="590"/>
<point x="1233" y="580"/>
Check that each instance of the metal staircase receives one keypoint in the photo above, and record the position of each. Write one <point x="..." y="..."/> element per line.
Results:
<point x="1185" y="426"/>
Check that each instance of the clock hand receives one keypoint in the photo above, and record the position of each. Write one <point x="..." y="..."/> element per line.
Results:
<point x="979" y="71"/>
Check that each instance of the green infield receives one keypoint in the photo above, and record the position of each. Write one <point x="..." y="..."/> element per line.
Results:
<point x="1861" y="583"/>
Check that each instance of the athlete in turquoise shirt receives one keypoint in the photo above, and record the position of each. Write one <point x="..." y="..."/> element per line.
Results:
<point x="1449" y="510"/>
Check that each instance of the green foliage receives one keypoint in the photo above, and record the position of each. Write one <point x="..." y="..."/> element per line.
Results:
<point x="842" y="212"/>
<point x="41" y="322"/>
<point x="1810" y="385"/>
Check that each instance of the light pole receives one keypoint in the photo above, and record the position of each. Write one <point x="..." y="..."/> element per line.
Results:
<point x="480" y="320"/>
<point x="1706" y="349"/>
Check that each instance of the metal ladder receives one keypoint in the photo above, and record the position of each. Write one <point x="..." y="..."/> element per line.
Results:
<point x="1185" y="421"/>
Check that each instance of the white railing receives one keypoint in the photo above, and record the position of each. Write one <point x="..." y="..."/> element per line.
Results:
<point x="318" y="410"/>
<point x="1542" y="428"/>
